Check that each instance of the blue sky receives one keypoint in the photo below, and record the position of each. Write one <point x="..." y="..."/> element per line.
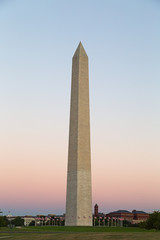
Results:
<point x="37" y="42"/>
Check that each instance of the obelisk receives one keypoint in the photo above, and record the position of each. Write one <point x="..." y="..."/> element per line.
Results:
<point x="79" y="194"/>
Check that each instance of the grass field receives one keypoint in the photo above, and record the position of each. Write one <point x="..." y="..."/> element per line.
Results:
<point x="75" y="229"/>
<point x="78" y="233"/>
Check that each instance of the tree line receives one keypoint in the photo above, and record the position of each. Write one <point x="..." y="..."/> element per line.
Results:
<point x="4" y="222"/>
<point x="153" y="222"/>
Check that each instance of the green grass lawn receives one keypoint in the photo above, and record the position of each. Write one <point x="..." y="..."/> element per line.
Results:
<point x="85" y="229"/>
<point x="75" y="229"/>
<point x="78" y="233"/>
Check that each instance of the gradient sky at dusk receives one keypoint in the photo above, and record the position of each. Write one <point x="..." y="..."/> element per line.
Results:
<point x="37" y="41"/>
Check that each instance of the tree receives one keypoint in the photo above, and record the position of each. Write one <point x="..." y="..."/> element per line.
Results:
<point x="32" y="223"/>
<point x="3" y="221"/>
<point x="142" y="224"/>
<point x="153" y="221"/>
<point x="126" y="223"/>
<point x="18" y="221"/>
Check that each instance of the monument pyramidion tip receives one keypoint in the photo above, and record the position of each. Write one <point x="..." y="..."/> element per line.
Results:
<point x="80" y="51"/>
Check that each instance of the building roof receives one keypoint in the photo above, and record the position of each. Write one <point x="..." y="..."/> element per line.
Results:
<point x="138" y="212"/>
<point x="120" y="211"/>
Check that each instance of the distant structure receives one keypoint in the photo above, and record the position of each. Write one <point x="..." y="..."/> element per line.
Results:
<point x="134" y="216"/>
<point x="97" y="213"/>
<point x="96" y="210"/>
<point x="79" y="199"/>
<point x="126" y="215"/>
<point x="139" y="216"/>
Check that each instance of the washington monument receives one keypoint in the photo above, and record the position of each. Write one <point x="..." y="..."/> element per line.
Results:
<point x="79" y="194"/>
